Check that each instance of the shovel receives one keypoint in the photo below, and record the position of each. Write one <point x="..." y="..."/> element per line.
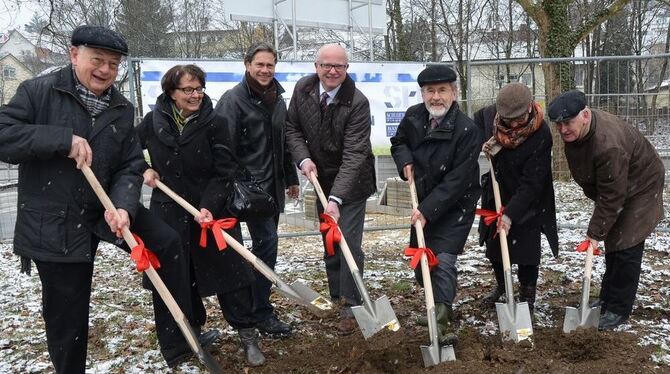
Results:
<point x="432" y="354"/>
<point x="297" y="291"/>
<point x="584" y="316"/>
<point x="513" y="318"/>
<point x="205" y="357"/>
<point x="371" y="317"/>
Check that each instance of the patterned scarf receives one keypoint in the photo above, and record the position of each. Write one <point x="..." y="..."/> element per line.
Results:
<point x="179" y="120"/>
<point x="513" y="137"/>
<point x="94" y="104"/>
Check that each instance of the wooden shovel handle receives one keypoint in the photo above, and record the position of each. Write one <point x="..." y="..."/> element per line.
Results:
<point x="421" y="241"/>
<point x="503" y="234"/>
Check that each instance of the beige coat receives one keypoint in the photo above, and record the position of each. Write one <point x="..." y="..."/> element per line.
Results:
<point x="621" y="172"/>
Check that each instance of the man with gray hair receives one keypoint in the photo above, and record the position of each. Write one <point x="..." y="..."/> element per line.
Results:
<point x="437" y="147"/>
<point x="328" y="133"/>
<point x="256" y="116"/>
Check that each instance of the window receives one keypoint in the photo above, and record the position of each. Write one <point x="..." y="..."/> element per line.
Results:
<point x="9" y="72"/>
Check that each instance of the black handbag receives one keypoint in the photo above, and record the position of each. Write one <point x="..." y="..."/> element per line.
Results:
<point x="248" y="201"/>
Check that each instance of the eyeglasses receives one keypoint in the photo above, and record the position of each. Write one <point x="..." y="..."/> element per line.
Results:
<point x="99" y="62"/>
<point x="510" y="121"/>
<point x="190" y="90"/>
<point x="338" y="67"/>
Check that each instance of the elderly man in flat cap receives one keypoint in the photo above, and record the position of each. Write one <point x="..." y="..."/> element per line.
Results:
<point x="53" y="126"/>
<point x="517" y="138"/>
<point x="621" y="172"/>
<point x="437" y="146"/>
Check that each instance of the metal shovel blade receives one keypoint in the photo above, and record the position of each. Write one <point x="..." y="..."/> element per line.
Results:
<point x="433" y="355"/>
<point x="514" y="321"/>
<point x="574" y="318"/>
<point x="311" y="299"/>
<point x="372" y="321"/>
<point x="210" y="362"/>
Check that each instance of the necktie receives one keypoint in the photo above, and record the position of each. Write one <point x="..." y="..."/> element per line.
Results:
<point x="324" y="102"/>
<point x="433" y="123"/>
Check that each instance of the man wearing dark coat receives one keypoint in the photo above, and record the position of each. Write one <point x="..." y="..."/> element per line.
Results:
<point x="621" y="172"/>
<point x="328" y="133"/>
<point x="52" y="127"/>
<point x="438" y="146"/>
<point x="516" y="137"/>
<point x="255" y="113"/>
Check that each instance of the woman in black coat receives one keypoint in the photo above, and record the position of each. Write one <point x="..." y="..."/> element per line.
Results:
<point x="519" y="141"/>
<point x="190" y="153"/>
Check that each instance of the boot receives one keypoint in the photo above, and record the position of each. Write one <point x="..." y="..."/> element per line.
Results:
<point x="527" y="294"/>
<point x="249" y="340"/>
<point x="493" y="296"/>
<point x="445" y="324"/>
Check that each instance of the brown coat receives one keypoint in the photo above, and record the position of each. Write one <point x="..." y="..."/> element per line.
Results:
<point x="619" y="169"/>
<point x="338" y="141"/>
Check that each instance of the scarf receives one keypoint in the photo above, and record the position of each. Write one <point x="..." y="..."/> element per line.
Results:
<point x="179" y="120"/>
<point x="513" y="137"/>
<point x="268" y="95"/>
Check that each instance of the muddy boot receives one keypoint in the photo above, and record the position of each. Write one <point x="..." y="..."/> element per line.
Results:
<point x="527" y="294"/>
<point x="493" y="296"/>
<point x="445" y="324"/>
<point x="249" y="340"/>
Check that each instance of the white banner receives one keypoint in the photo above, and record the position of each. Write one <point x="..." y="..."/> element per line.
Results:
<point x="390" y="87"/>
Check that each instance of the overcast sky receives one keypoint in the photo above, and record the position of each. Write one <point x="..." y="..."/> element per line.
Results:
<point x="13" y="15"/>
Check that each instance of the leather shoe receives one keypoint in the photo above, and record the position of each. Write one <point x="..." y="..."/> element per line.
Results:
<point x="175" y="356"/>
<point x="347" y="325"/>
<point x="610" y="320"/>
<point x="274" y="327"/>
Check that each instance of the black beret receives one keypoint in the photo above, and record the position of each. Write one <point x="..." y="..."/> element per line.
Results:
<point x="99" y="37"/>
<point x="437" y="73"/>
<point x="566" y="106"/>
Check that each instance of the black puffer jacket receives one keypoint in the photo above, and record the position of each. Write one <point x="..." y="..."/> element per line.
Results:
<point x="338" y="141"/>
<point x="57" y="210"/>
<point x="446" y="173"/>
<point x="198" y="165"/>
<point x="258" y="138"/>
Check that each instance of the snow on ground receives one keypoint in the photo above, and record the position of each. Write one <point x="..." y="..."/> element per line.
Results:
<point x="121" y="322"/>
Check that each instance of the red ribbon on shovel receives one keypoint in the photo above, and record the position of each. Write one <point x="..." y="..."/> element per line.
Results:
<point x="331" y="229"/>
<point x="143" y="257"/>
<point x="584" y="246"/>
<point x="490" y="216"/>
<point x="216" y="227"/>
<point x="416" y="253"/>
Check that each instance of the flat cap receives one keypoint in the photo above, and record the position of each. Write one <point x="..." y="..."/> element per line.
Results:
<point x="436" y="74"/>
<point x="99" y="37"/>
<point x="513" y="100"/>
<point x="566" y="106"/>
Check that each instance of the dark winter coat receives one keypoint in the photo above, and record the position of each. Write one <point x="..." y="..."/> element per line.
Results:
<point x="198" y="165"/>
<point x="258" y="138"/>
<point x="620" y="170"/>
<point x="57" y="209"/>
<point x="446" y="173"/>
<point x="338" y="141"/>
<point x="526" y="191"/>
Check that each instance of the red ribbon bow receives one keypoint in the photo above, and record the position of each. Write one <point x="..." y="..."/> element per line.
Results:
<point x="332" y="230"/>
<point x="416" y="253"/>
<point x="489" y="215"/>
<point x="216" y="227"/>
<point x="143" y="257"/>
<point x="584" y="246"/>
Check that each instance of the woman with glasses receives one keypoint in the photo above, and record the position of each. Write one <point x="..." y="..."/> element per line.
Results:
<point x="190" y="153"/>
<point x="518" y="140"/>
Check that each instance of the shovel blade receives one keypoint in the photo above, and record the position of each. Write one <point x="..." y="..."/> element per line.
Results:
<point x="433" y="354"/>
<point x="210" y="362"/>
<point x="311" y="299"/>
<point x="514" y="321"/>
<point x="574" y="318"/>
<point x="372" y="321"/>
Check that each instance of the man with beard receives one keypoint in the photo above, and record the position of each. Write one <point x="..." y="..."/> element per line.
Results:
<point x="621" y="172"/>
<point x="438" y="146"/>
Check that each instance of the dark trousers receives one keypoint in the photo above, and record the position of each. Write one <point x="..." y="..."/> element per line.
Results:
<point x="621" y="278"/>
<point x="66" y="292"/>
<point x="444" y="278"/>
<point x="527" y="274"/>
<point x="265" y="240"/>
<point x="340" y="281"/>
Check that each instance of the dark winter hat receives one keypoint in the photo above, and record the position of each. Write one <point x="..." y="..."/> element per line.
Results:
<point x="437" y="73"/>
<point x="99" y="37"/>
<point x="513" y="100"/>
<point x="566" y="106"/>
